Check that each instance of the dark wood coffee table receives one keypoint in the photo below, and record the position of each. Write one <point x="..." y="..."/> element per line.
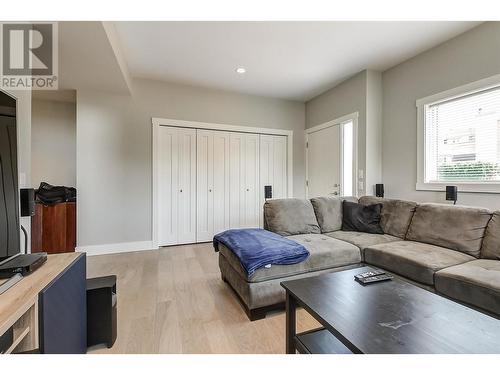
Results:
<point x="389" y="317"/>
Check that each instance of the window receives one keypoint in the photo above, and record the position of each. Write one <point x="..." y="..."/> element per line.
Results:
<point x="461" y="139"/>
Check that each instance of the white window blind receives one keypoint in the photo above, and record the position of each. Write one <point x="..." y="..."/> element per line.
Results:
<point x="462" y="138"/>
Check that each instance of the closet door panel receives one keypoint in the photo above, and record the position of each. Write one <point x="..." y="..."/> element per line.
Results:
<point x="204" y="185"/>
<point x="168" y="185"/>
<point x="280" y="174"/>
<point x="220" y="191"/>
<point x="236" y="180"/>
<point x="251" y="173"/>
<point x="187" y="186"/>
<point x="266" y="165"/>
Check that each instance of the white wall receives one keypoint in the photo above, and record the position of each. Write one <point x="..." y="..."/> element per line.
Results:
<point x="114" y="149"/>
<point x="469" y="57"/>
<point x="53" y="143"/>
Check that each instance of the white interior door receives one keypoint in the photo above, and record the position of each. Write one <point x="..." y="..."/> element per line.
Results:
<point x="168" y="185"/>
<point x="324" y="162"/>
<point x="187" y="185"/>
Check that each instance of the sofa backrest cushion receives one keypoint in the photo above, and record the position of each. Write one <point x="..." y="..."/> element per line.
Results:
<point x="396" y="214"/>
<point x="491" y="240"/>
<point x="328" y="212"/>
<point x="290" y="216"/>
<point x="361" y="218"/>
<point x="454" y="227"/>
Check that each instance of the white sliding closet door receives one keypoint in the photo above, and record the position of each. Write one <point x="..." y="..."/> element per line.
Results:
<point x="236" y="179"/>
<point x="244" y="180"/>
<point x="273" y="165"/>
<point x="177" y="186"/>
<point x="221" y="182"/>
<point x="168" y="169"/>
<point x="252" y="202"/>
<point x="212" y="183"/>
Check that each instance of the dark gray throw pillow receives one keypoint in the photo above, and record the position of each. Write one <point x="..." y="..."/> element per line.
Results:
<point x="360" y="218"/>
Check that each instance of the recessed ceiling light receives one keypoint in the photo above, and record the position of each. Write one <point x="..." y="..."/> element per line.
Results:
<point x="241" y="70"/>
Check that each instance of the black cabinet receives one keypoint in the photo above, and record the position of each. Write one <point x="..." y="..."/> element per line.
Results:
<point x="101" y="311"/>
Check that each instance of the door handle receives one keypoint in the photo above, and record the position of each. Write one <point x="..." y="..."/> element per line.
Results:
<point x="335" y="193"/>
<point x="180" y="190"/>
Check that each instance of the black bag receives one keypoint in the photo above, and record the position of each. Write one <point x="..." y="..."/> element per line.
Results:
<point x="49" y="194"/>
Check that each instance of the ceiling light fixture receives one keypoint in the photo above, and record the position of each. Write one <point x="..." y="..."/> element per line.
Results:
<point x="241" y="70"/>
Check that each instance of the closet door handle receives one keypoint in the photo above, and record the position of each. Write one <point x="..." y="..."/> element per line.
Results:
<point x="209" y="190"/>
<point x="248" y="189"/>
<point x="180" y="190"/>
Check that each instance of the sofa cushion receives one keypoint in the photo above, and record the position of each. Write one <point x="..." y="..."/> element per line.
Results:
<point x="290" y="216"/>
<point x="455" y="227"/>
<point x="360" y="218"/>
<point x="414" y="260"/>
<point x="328" y="211"/>
<point x="491" y="241"/>
<point x="396" y="214"/>
<point x="362" y="240"/>
<point x="325" y="252"/>
<point x="476" y="283"/>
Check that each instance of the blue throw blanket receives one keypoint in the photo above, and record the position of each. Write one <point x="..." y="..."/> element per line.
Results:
<point x="256" y="248"/>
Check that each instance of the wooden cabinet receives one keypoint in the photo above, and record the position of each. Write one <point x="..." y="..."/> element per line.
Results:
<point x="53" y="228"/>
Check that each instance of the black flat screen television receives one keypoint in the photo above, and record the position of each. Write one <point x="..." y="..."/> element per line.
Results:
<point x="9" y="191"/>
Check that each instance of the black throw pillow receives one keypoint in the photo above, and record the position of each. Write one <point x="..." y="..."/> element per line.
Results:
<point x="360" y="218"/>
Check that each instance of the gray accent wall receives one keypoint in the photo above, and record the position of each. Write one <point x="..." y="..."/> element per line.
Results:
<point x="114" y="149"/>
<point x="361" y="93"/>
<point x="469" y="57"/>
<point x="53" y="142"/>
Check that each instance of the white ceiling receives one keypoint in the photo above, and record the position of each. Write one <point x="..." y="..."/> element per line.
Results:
<point x="290" y="60"/>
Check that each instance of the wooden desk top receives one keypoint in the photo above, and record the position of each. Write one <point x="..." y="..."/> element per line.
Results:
<point x="17" y="300"/>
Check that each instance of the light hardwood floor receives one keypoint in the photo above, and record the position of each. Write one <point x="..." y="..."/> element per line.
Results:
<point x="173" y="300"/>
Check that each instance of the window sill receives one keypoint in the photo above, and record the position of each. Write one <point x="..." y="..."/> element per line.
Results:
<point x="485" y="187"/>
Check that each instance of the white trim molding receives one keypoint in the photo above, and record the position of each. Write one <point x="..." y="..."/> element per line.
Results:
<point x="115" y="248"/>
<point x="421" y="104"/>
<point x="213" y="126"/>
<point x="157" y="122"/>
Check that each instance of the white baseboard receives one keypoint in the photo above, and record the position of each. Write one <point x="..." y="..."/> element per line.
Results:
<point x="115" y="248"/>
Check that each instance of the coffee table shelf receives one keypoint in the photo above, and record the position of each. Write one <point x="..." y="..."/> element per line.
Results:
<point x="319" y="341"/>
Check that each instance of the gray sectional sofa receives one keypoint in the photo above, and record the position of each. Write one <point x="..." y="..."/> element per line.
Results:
<point x="451" y="250"/>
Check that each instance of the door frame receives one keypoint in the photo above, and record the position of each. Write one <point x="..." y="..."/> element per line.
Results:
<point x="156" y="122"/>
<point x="340" y="122"/>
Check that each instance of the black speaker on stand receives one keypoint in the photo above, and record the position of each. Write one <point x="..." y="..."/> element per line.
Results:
<point x="452" y="193"/>
<point x="379" y="190"/>
<point x="27" y="209"/>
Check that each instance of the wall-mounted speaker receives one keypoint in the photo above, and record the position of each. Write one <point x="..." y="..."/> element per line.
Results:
<point x="268" y="191"/>
<point x="379" y="190"/>
<point x="27" y="202"/>
<point x="452" y="193"/>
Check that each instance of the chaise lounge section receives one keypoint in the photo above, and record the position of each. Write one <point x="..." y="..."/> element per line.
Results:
<point x="451" y="250"/>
